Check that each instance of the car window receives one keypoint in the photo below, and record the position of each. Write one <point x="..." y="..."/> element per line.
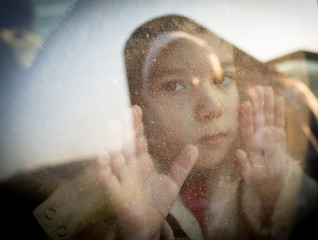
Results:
<point x="167" y="119"/>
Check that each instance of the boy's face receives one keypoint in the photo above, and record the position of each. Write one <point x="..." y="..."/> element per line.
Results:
<point x="190" y="97"/>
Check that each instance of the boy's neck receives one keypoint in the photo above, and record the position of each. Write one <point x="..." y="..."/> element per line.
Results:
<point x="227" y="171"/>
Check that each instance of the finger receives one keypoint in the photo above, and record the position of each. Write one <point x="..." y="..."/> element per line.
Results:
<point x="256" y="94"/>
<point x="110" y="184"/>
<point x="269" y="104"/>
<point x="104" y="172"/>
<point x="129" y="145"/>
<point x="118" y="164"/>
<point x="137" y="114"/>
<point x="140" y="139"/>
<point x="115" y="132"/>
<point x="246" y="121"/>
<point x="241" y="156"/>
<point x="259" y="118"/>
<point x="280" y="112"/>
<point x="128" y="133"/>
<point x="102" y="164"/>
<point x="243" y="160"/>
<point x="103" y="159"/>
<point x="181" y="168"/>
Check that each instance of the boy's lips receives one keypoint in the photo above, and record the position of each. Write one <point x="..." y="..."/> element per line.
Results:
<point x="211" y="139"/>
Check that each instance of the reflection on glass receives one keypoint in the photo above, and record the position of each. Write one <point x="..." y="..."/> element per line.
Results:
<point x="219" y="148"/>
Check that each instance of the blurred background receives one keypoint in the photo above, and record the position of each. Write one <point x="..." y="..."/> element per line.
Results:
<point x="49" y="13"/>
<point x="280" y="33"/>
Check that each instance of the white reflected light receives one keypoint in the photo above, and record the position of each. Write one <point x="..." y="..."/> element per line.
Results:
<point x="63" y="112"/>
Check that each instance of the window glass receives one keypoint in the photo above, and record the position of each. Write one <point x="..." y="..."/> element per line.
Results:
<point x="168" y="119"/>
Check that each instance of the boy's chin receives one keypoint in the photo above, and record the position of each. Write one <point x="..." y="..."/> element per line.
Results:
<point x="210" y="159"/>
<point x="206" y="165"/>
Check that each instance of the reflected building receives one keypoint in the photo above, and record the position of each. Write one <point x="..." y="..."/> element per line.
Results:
<point x="302" y="65"/>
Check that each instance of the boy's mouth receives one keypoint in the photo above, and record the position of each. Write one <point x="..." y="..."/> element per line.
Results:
<point x="211" y="139"/>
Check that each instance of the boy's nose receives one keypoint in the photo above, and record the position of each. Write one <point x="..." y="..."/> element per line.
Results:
<point x="208" y="106"/>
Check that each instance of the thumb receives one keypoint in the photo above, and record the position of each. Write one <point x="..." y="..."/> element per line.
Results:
<point x="244" y="162"/>
<point x="241" y="156"/>
<point x="181" y="168"/>
<point x="140" y="139"/>
<point x="137" y="115"/>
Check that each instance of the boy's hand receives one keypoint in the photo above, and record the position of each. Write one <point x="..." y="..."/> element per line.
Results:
<point x="142" y="198"/>
<point x="263" y="160"/>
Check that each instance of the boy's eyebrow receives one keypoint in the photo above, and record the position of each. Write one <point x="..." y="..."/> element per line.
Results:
<point x="168" y="71"/>
<point x="156" y="75"/>
<point x="153" y="77"/>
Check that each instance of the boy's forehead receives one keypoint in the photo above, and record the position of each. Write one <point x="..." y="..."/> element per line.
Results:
<point x="223" y="50"/>
<point x="188" y="50"/>
<point x="185" y="58"/>
<point x="226" y="54"/>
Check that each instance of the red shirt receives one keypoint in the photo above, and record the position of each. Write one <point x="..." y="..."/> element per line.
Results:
<point x="194" y="199"/>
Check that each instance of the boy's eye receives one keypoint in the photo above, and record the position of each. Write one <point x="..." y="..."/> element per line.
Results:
<point x="225" y="80"/>
<point x="172" y="86"/>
